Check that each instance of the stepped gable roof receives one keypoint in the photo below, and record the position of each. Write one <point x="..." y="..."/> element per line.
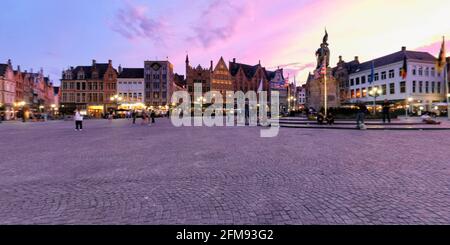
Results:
<point x="101" y="68"/>
<point x="249" y="70"/>
<point x="132" y="73"/>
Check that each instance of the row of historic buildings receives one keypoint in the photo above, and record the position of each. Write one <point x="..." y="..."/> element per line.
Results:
<point x="100" y="88"/>
<point x="24" y="91"/>
<point x="422" y="87"/>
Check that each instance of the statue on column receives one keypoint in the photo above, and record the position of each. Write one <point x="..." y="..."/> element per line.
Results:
<point x="323" y="53"/>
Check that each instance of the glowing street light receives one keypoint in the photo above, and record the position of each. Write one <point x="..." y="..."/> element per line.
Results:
<point x="375" y="92"/>
<point x="409" y="106"/>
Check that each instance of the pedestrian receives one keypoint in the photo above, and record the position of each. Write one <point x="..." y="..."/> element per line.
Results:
<point x="78" y="121"/>
<point x="110" y="116"/>
<point x="386" y="111"/>
<point x="26" y="114"/>
<point x="361" y="115"/>
<point x="153" y="115"/>
<point x="330" y="118"/>
<point x="320" y="117"/>
<point x="144" y="117"/>
<point x="134" y="115"/>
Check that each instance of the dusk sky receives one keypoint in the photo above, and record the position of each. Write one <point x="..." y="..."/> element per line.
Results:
<point x="55" y="34"/>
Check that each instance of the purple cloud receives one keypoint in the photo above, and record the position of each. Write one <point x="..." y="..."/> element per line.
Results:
<point x="133" y="22"/>
<point x="217" y="22"/>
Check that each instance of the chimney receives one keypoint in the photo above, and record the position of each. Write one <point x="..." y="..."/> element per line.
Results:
<point x="120" y="69"/>
<point x="357" y="58"/>
<point x="94" y="62"/>
<point x="403" y="48"/>
<point x="212" y="65"/>
<point x="9" y="62"/>
<point x="18" y="68"/>
<point x="259" y="62"/>
<point x="71" y="68"/>
<point x="234" y="60"/>
<point x="110" y="62"/>
<point x="340" y="58"/>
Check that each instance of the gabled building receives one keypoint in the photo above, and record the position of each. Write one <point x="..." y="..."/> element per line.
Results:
<point x="131" y="88"/>
<point x="221" y="78"/>
<point x="7" y="90"/>
<point x="197" y="76"/>
<point x="158" y="83"/>
<point x="18" y="77"/>
<point x="249" y="77"/>
<point x="89" y="88"/>
<point x="280" y="84"/>
<point x="423" y="85"/>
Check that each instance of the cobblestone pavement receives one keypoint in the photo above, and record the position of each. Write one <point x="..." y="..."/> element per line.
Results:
<point x="116" y="173"/>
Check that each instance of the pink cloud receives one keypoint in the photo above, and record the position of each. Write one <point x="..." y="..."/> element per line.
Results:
<point x="218" y="22"/>
<point x="133" y="22"/>
<point x="433" y="48"/>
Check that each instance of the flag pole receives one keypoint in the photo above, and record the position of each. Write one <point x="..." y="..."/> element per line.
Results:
<point x="325" y="101"/>
<point x="447" y="93"/>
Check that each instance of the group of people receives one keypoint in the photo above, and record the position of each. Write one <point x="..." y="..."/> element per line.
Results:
<point x="362" y="111"/>
<point x="148" y="118"/>
<point x="321" y="118"/>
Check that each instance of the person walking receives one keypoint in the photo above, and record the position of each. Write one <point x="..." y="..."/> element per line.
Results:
<point x="110" y="116"/>
<point x="153" y="115"/>
<point x="386" y="111"/>
<point x="144" y="117"/>
<point x="78" y="121"/>
<point x="330" y="118"/>
<point x="361" y="115"/>
<point x="134" y="115"/>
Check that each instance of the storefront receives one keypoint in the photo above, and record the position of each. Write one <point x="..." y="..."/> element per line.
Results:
<point x="132" y="106"/>
<point x="95" y="111"/>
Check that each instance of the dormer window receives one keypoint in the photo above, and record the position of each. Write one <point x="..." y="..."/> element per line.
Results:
<point x="80" y="76"/>
<point x="94" y="75"/>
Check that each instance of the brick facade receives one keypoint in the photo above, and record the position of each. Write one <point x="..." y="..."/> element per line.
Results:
<point x="89" y="88"/>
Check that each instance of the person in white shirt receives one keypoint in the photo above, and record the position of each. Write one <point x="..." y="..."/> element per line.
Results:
<point x="78" y="121"/>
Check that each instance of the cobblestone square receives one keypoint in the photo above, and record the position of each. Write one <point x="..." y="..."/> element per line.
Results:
<point x="118" y="173"/>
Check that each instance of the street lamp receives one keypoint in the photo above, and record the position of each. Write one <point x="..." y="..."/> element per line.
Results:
<point x="375" y="93"/>
<point x="116" y="99"/>
<point x="409" y="106"/>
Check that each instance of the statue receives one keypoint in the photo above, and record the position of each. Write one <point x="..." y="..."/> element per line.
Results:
<point x="323" y="53"/>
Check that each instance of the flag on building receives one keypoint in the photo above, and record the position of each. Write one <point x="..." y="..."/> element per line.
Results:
<point x="404" y="70"/>
<point x="372" y="72"/>
<point x="441" y="60"/>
